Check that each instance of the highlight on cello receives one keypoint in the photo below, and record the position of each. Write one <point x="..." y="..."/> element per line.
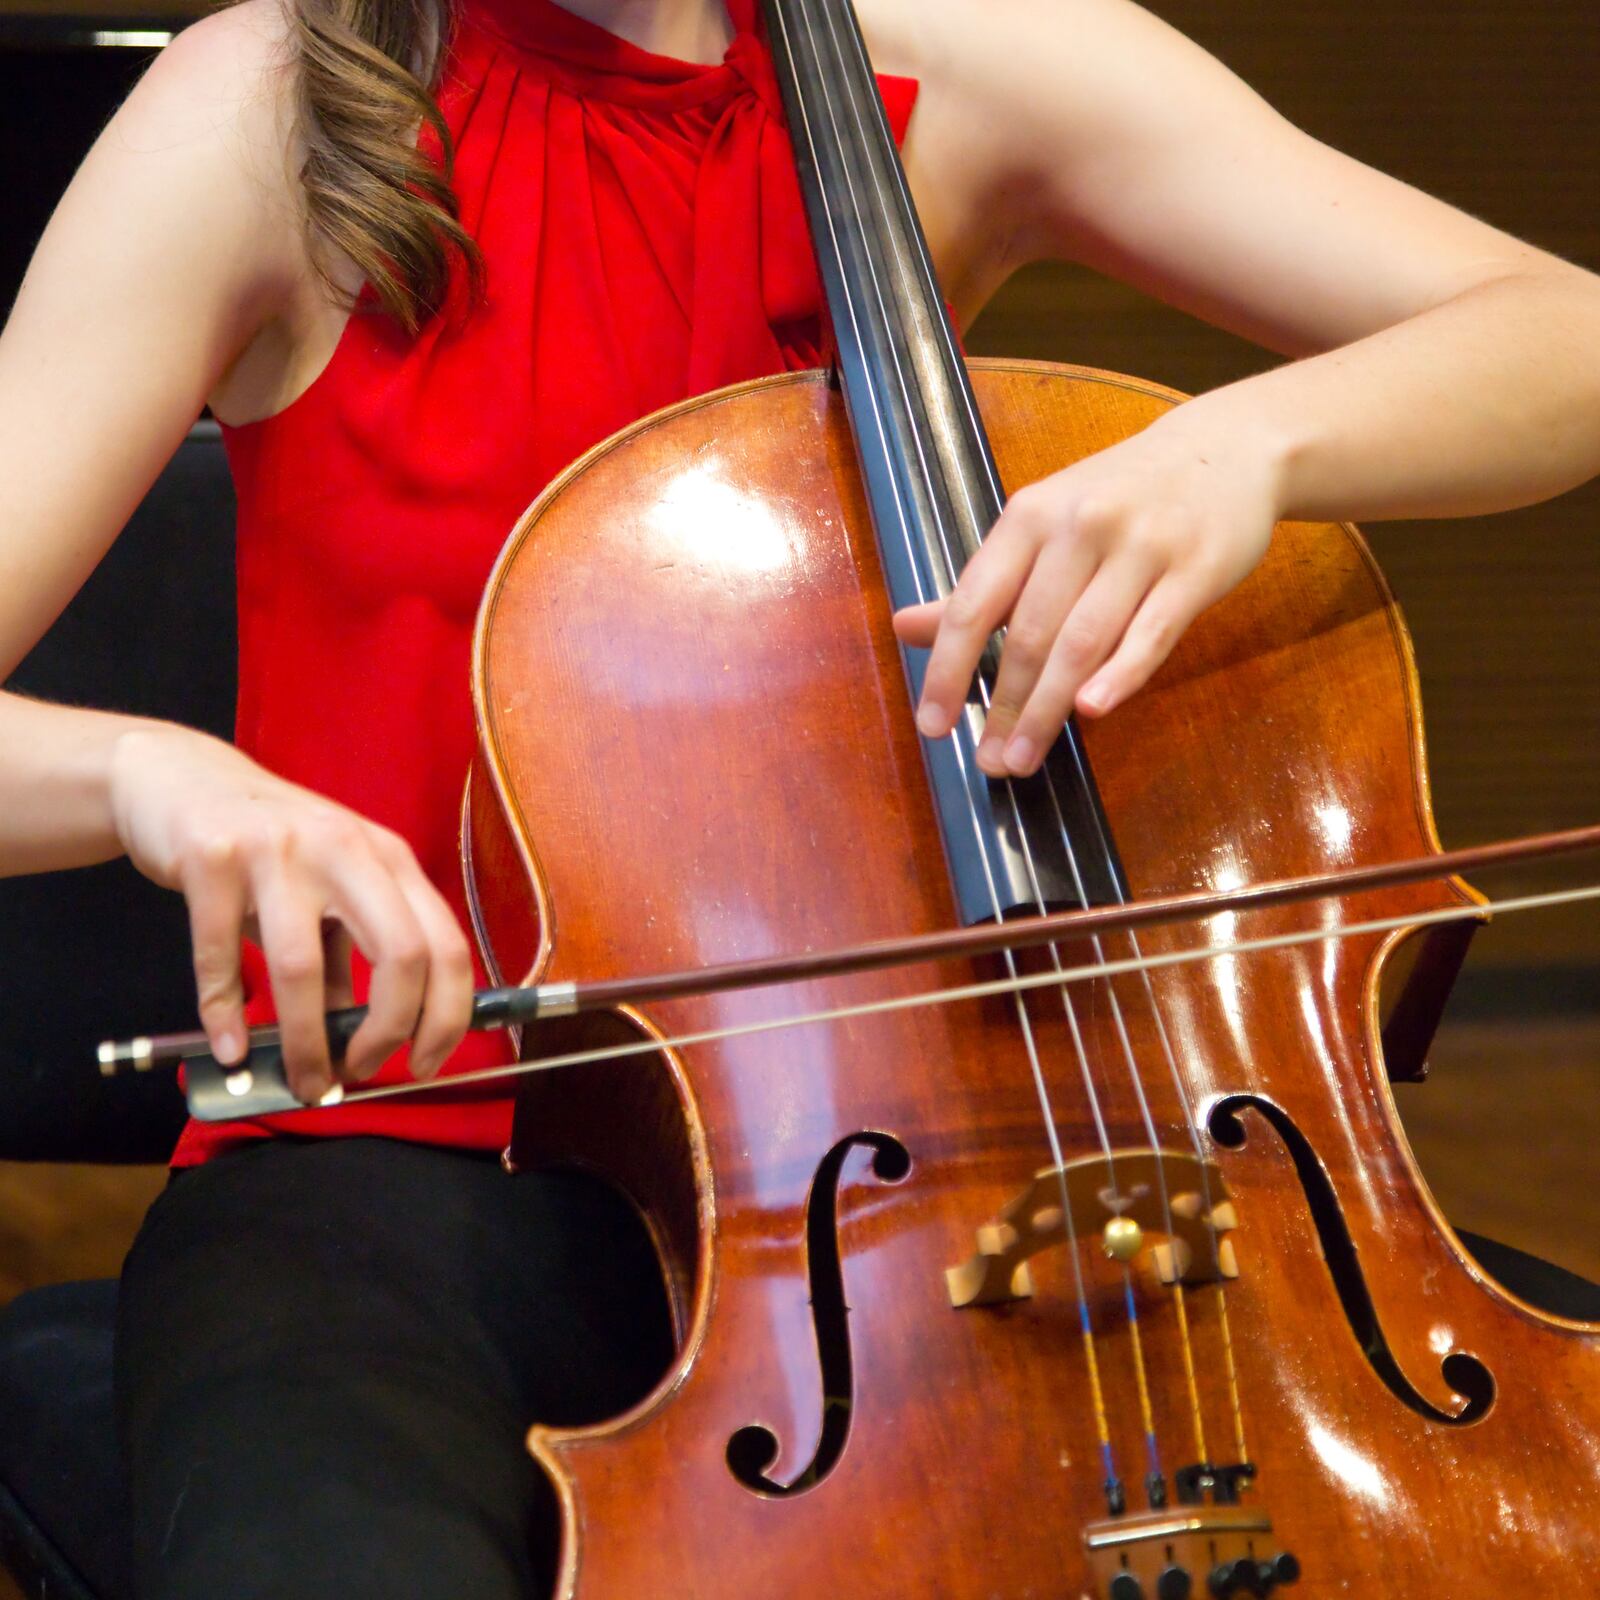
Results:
<point x="802" y="941"/>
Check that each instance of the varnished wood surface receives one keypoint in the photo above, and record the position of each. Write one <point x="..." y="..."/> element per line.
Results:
<point x="1503" y="1129"/>
<point x="1491" y="105"/>
<point x="59" y="1223"/>
<point x="1501" y="608"/>
<point x="685" y="621"/>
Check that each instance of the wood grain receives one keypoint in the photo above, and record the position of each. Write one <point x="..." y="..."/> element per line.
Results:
<point x="67" y="1222"/>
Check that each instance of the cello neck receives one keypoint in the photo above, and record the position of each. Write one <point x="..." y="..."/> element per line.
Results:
<point x="923" y="449"/>
<point x="931" y="482"/>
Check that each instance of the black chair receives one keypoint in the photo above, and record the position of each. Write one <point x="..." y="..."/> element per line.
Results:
<point x="85" y="955"/>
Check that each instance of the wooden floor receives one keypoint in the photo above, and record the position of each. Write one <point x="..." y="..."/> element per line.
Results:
<point x="60" y="1223"/>
<point x="1507" y="1131"/>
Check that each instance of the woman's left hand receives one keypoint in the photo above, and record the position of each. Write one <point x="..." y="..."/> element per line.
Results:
<point x="1096" y="571"/>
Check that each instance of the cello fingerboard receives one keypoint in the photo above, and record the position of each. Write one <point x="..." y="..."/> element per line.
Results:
<point x="1020" y="844"/>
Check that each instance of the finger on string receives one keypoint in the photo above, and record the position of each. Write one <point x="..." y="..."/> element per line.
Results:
<point x="1167" y="611"/>
<point x="1059" y="577"/>
<point x="1089" y="634"/>
<point x="978" y="604"/>
<point x="217" y="895"/>
<point x="918" y="626"/>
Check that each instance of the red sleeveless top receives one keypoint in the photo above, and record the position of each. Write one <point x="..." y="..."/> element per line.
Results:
<point x="645" y="240"/>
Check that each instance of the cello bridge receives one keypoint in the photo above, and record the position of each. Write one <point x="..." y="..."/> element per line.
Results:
<point x="1118" y="1201"/>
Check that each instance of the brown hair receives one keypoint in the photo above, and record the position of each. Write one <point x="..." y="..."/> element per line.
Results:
<point x="367" y="76"/>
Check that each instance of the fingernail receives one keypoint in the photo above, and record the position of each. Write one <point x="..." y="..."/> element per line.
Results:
<point x="231" y="1047"/>
<point x="992" y="754"/>
<point x="931" y="722"/>
<point x="1096" y="698"/>
<point x="1020" y="754"/>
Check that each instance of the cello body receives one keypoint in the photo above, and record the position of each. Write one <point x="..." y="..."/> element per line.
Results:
<point x="697" y="746"/>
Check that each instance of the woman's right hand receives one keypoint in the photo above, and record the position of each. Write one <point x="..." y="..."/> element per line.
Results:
<point x="256" y="856"/>
<point x="174" y="249"/>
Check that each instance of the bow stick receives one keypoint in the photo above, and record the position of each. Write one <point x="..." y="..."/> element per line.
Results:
<point x="512" y="1006"/>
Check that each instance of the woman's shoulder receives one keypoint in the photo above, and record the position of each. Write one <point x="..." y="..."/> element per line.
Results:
<point x="244" y="34"/>
<point x="227" y="77"/>
<point x="228" y="87"/>
<point x="220" y="99"/>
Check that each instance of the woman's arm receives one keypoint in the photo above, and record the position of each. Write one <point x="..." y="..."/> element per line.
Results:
<point x="179" y="240"/>
<point x="1442" y="371"/>
<point x="157" y="268"/>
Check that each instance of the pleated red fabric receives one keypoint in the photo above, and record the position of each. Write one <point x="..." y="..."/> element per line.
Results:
<point x="645" y="241"/>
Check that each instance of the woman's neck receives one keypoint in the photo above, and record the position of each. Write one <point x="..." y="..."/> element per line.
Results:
<point x="685" y="30"/>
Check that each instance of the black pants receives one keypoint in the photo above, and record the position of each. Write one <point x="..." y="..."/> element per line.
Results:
<point x="329" y="1354"/>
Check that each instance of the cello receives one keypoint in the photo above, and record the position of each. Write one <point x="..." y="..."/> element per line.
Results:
<point x="1123" y="1288"/>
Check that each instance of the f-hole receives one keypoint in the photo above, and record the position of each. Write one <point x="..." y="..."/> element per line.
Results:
<point x="1468" y="1376"/>
<point x="754" y="1448"/>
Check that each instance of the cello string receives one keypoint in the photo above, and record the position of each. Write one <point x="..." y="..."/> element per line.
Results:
<point x="1225" y="1331"/>
<point x="969" y="779"/>
<point x="1052" y="1128"/>
<point x="1080" y="1048"/>
<point x="945" y="333"/>
<point x="1047" y="1110"/>
<point x="1141" y="1380"/>
<point x="961" y="993"/>
<point x="1186" y="1343"/>
<point x="860" y="115"/>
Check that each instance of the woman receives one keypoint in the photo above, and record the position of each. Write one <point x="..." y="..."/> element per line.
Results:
<point x="330" y="1345"/>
